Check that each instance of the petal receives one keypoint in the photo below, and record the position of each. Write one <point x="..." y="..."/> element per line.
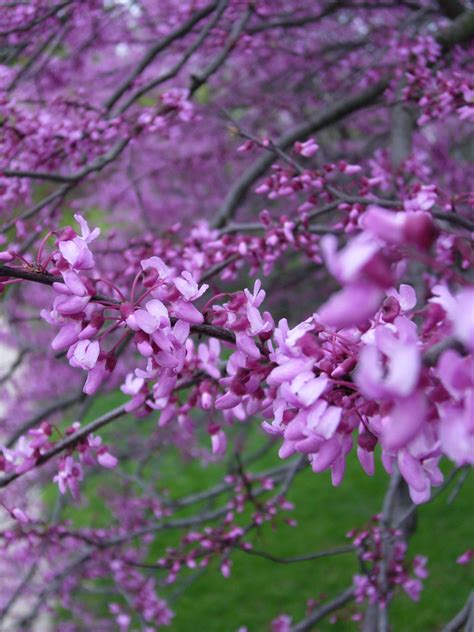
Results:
<point x="404" y="422"/>
<point x="287" y="371"/>
<point x="311" y="390"/>
<point x="187" y="312"/>
<point x="352" y="306"/>
<point x="405" y="364"/>
<point x="326" y="455"/>
<point x="247" y="345"/>
<point x="157" y="309"/>
<point x="366" y="459"/>
<point x="94" y="378"/>
<point x="67" y="336"/>
<point x="412" y="471"/>
<point x="157" y="264"/>
<point x="327" y="425"/>
<point x="229" y="400"/>
<point x="146" y="321"/>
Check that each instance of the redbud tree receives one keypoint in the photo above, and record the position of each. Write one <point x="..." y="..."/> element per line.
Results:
<point x="236" y="236"/>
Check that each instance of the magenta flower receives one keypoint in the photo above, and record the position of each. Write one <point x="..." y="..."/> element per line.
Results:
<point x="84" y="354"/>
<point x="152" y="317"/>
<point x="162" y="271"/>
<point x="188" y="288"/>
<point x="76" y="250"/>
<point x="459" y="310"/>
<point x="456" y="430"/>
<point x="218" y="440"/>
<point x="69" y="476"/>
<point x="282" y="623"/>
<point x="95" y="377"/>
<point x="352" y="306"/>
<point x="465" y="557"/>
<point x="390" y="367"/>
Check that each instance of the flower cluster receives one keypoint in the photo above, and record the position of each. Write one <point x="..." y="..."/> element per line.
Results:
<point x="198" y="548"/>
<point x="383" y="574"/>
<point x="340" y="187"/>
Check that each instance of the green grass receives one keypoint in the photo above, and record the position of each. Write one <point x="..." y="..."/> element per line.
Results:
<point x="258" y="590"/>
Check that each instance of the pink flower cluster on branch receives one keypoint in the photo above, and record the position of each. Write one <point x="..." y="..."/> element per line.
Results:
<point x="354" y="371"/>
<point x="324" y="149"/>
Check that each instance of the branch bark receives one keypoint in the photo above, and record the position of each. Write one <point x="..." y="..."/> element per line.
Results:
<point x="464" y="617"/>
<point x="44" y="278"/>
<point x="152" y="52"/>
<point x="321" y="612"/>
<point x="316" y="122"/>
<point x="461" y="30"/>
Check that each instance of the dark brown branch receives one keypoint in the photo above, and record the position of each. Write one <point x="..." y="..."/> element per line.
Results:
<point x="150" y="55"/>
<point x="29" y="25"/>
<point x="55" y="195"/>
<point x="318" y="121"/>
<point x="181" y="63"/>
<point x="70" y="441"/>
<point x="45" y="278"/>
<point x="319" y="613"/>
<point x="200" y="79"/>
<point x="218" y="267"/>
<point x="454" y="218"/>
<point x="15" y="365"/>
<point x="37" y="175"/>
<point x="299" y="558"/>
<point x="213" y="331"/>
<point x="290" y="21"/>
<point x="50" y="410"/>
<point x="461" y="30"/>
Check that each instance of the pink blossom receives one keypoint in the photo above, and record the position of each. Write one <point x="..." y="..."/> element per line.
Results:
<point x="106" y="459"/>
<point x="465" y="557"/>
<point x="391" y="366"/>
<point x="84" y="354"/>
<point x="459" y="309"/>
<point x="188" y="288"/>
<point x="306" y="149"/>
<point x="20" y="515"/>
<point x="351" y="306"/>
<point x="282" y="623"/>
<point x="69" y="476"/>
<point x="95" y="377"/>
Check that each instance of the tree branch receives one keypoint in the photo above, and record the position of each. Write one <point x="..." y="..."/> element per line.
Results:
<point x="46" y="412"/>
<point x="150" y="55"/>
<point x="70" y="441"/>
<point x="197" y="80"/>
<point x="338" y="602"/>
<point x="316" y="122"/>
<point x="44" y="278"/>
<point x="299" y="558"/>
<point x="464" y="617"/>
<point x="462" y="29"/>
<point x="180" y="64"/>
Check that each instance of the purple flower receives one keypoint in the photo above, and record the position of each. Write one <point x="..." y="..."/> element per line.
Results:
<point x="465" y="557"/>
<point x="188" y="288"/>
<point x="460" y="310"/>
<point x="84" y="354"/>
<point x="307" y="148"/>
<point x="390" y="366"/>
<point x="351" y="306"/>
